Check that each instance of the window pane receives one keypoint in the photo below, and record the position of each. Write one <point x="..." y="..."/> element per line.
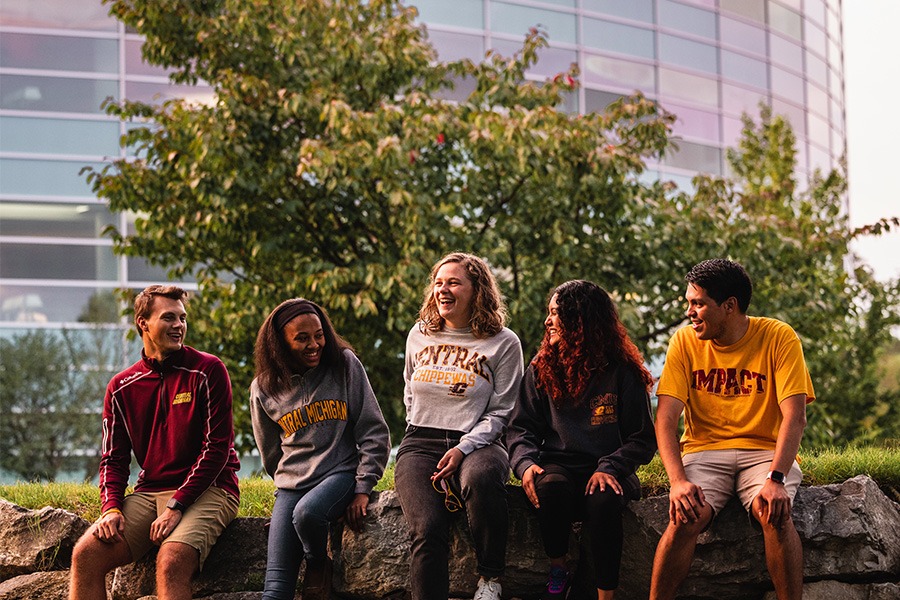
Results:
<point x="604" y="70"/>
<point x="550" y="60"/>
<point x="816" y="69"/>
<point x="738" y="100"/>
<point x="786" y="53"/>
<point x="457" y="46"/>
<point x="787" y="85"/>
<point x="43" y="178"/>
<point x="751" y="9"/>
<point x="691" y="20"/>
<point x="45" y="261"/>
<point x="54" y="220"/>
<point x="618" y="38"/>
<point x="140" y="270"/>
<point x="689" y="54"/>
<point x="815" y="39"/>
<point x="732" y="130"/>
<point x="745" y="36"/>
<point x="69" y="14"/>
<point x="597" y="101"/>
<point x="460" y="13"/>
<point x="794" y="115"/>
<point x="818" y="130"/>
<point x="688" y="87"/>
<point x="134" y="62"/>
<point x="157" y="93"/>
<point x="695" y="123"/>
<point x="817" y="99"/>
<point x="59" y="136"/>
<point x="517" y="20"/>
<point x="699" y="157"/>
<point x="744" y="69"/>
<point x="785" y="20"/>
<point x="31" y="51"/>
<point x="639" y="10"/>
<point x="43" y="303"/>
<point x="815" y="10"/>
<point x="58" y="94"/>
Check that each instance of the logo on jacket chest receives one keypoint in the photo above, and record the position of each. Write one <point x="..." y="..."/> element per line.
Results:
<point x="603" y="409"/>
<point x="182" y="398"/>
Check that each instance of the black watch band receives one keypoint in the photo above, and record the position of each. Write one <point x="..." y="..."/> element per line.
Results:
<point x="175" y="505"/>
<point x="776" y="476"/>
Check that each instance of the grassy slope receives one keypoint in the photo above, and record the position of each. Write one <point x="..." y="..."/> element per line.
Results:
<point x="820" y="467"/>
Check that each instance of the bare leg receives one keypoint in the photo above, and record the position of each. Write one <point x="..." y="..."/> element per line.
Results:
<point x="784" y="557"/>
<point x="176" y="564"/>
<point x="605" y="594"/>
<point x="91" y="561"/>
<point x="675" y="553"/>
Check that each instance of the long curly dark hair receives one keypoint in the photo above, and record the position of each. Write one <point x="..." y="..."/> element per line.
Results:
<point x="592" y="339"/>
<point x="274" y="363"/>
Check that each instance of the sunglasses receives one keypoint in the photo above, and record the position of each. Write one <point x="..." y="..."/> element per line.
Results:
<point x="451" y="501"/>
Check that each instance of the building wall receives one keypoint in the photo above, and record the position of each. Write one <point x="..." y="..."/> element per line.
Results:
<point x="708" y="61"/>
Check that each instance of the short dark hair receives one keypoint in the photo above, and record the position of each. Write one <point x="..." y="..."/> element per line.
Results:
<point x="721" y="279"/>
<point x="143" y="302"/>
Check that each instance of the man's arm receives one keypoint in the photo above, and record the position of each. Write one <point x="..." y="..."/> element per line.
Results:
<point x="685" y="498"/>
<point x="776" y="502"/>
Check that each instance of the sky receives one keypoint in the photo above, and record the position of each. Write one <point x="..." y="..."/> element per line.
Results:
<point x="872" y="86"/>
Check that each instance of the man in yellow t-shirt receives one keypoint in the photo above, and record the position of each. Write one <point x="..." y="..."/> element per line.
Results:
<point x="743" y="386"/>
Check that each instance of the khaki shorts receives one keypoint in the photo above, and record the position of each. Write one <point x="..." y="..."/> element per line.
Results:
<point x="200" y="526"/>
<point x="723" y="473"/>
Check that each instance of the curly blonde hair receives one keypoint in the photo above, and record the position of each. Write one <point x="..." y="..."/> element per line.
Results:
<point x="488" y="308"/>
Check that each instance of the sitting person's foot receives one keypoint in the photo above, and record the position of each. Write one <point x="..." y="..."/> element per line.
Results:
<point x="488" y="589"/>
<point x="317" y="579"/>
<point x="557" y="583"/>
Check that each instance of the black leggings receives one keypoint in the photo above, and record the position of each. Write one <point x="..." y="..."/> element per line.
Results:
<point x="562" y="499"/>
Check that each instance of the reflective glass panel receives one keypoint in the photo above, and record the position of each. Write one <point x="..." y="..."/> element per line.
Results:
<point x="550" y="60"/>
<point x="64" y="261"/>
<point x="817" y="99"/>
<point x="815" y="10"/>
<point x="597" y="100"/>
<point x="675" y="15"/>
<point x="605" y="70"/>
<point x="462" y="89"/>
<point x="638" y="10"/>
<point x="134" y="62"/>
<point x="819" y="158"/>
<point x="819" y="131"/>
<point x="695" y="123"/>
<point x="32" y="51"/>
<point x="693" y="88"/>
<point x="68" y="14"/>
<point x="59" y="136"/>
<point x="459" y="13"/>
<point x="46" y="303"/>
<point x="815" y="39"/>
<point x="517" y="20"/>
<point x="787" y="85"/>
<point x="751" y="9"/>
<point x="786" y="53"/>
<point x="43" y="178"/>
<point x="732" y="128"/>
<point x="785" y="20"/>
<point x="687" y="53"/>
<point x="744" y="69"/>
<point x="613" y="37"/>
<point x="457" y="46"/>
<point x="57" y="94"/>
<point x="54" y="219"/>
<point x="140" y="270"/>
<point x="746" y="36"/>
<point x="816" y="69"/>
<point x="795" y="115"/>
<point x="698" y="157"/>
<point x="157" y="93"/>
<point x="738" y="100"/>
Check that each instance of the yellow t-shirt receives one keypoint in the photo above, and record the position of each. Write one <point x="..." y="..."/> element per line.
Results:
<point x="731" y="393"/>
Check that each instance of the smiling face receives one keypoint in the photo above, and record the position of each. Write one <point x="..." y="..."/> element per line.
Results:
<point x="305" y="339"/>
<point x="553" y="324"/>
<point x="709" y="319"/>
<point x="163" y="331"/>
<point x="453" y="292"/>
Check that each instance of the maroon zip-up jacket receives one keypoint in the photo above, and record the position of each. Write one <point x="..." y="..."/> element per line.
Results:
<point x="176" y="418"/>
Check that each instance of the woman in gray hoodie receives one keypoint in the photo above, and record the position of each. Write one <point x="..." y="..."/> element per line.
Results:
<point x="321" y="436"/>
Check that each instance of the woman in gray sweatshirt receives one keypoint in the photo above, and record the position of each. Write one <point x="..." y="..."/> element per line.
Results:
<point x="462" y="375"/>
<point x="321" y="436"/>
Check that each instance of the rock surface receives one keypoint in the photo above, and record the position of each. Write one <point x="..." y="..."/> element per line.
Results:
<point x="850" y="534"/>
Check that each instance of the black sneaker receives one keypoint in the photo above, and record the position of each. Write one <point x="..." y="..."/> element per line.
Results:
<point x="557" y="583"/>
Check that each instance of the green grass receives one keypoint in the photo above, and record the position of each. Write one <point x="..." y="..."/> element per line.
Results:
<point x="820" y="467"/>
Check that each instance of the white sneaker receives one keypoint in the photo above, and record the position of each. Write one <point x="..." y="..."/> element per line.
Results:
<point x="488" y="589"/>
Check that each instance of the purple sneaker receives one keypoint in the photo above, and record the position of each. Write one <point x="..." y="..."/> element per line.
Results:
<point x="557" y="582"/>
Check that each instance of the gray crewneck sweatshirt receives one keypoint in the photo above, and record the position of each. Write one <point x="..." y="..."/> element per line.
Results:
<point x="329" y="422"/>
<point x="459" y="382"/>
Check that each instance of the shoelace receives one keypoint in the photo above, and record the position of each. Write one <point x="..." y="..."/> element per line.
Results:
<point x="556" y="583"/>
<point x="489" y="591"/>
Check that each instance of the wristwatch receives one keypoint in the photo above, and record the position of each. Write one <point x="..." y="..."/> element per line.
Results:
<point x="776" y="476"/>
<point x="175" y="505"/>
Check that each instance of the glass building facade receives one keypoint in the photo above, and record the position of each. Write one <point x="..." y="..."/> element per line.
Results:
<point x="708" y="61"/>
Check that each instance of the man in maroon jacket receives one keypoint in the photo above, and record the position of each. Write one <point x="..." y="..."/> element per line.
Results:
<point x="172" y="410"/>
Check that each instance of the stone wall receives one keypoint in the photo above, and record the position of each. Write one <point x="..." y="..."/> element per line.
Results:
<point x="850" y="534"/>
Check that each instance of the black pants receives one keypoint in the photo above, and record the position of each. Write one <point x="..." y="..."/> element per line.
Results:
<point x="480" y="483"/>
<point x="562" y="499"/>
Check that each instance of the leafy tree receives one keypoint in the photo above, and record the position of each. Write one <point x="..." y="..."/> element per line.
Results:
<point x="51" y="391"/>
<point x="332" y="166"/>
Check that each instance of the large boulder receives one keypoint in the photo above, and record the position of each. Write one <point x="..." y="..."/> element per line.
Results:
<point x="838" y="590"/>
<point x="49" y="585"/>
<point x="36" y="540"/>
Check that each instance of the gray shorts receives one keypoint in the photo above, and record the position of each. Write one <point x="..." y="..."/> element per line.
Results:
<point x="723" y="473"/>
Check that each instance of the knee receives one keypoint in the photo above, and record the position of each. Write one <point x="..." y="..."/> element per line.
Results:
<point x="176" y="565"/>
<point x="687" y="531"/>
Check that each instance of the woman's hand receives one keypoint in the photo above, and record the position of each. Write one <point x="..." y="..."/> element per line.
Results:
<point x="602" y="481"/>
<point x="449" y="463"/>
<point x="528" y="484"/>
<point x="357" y="511"/>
